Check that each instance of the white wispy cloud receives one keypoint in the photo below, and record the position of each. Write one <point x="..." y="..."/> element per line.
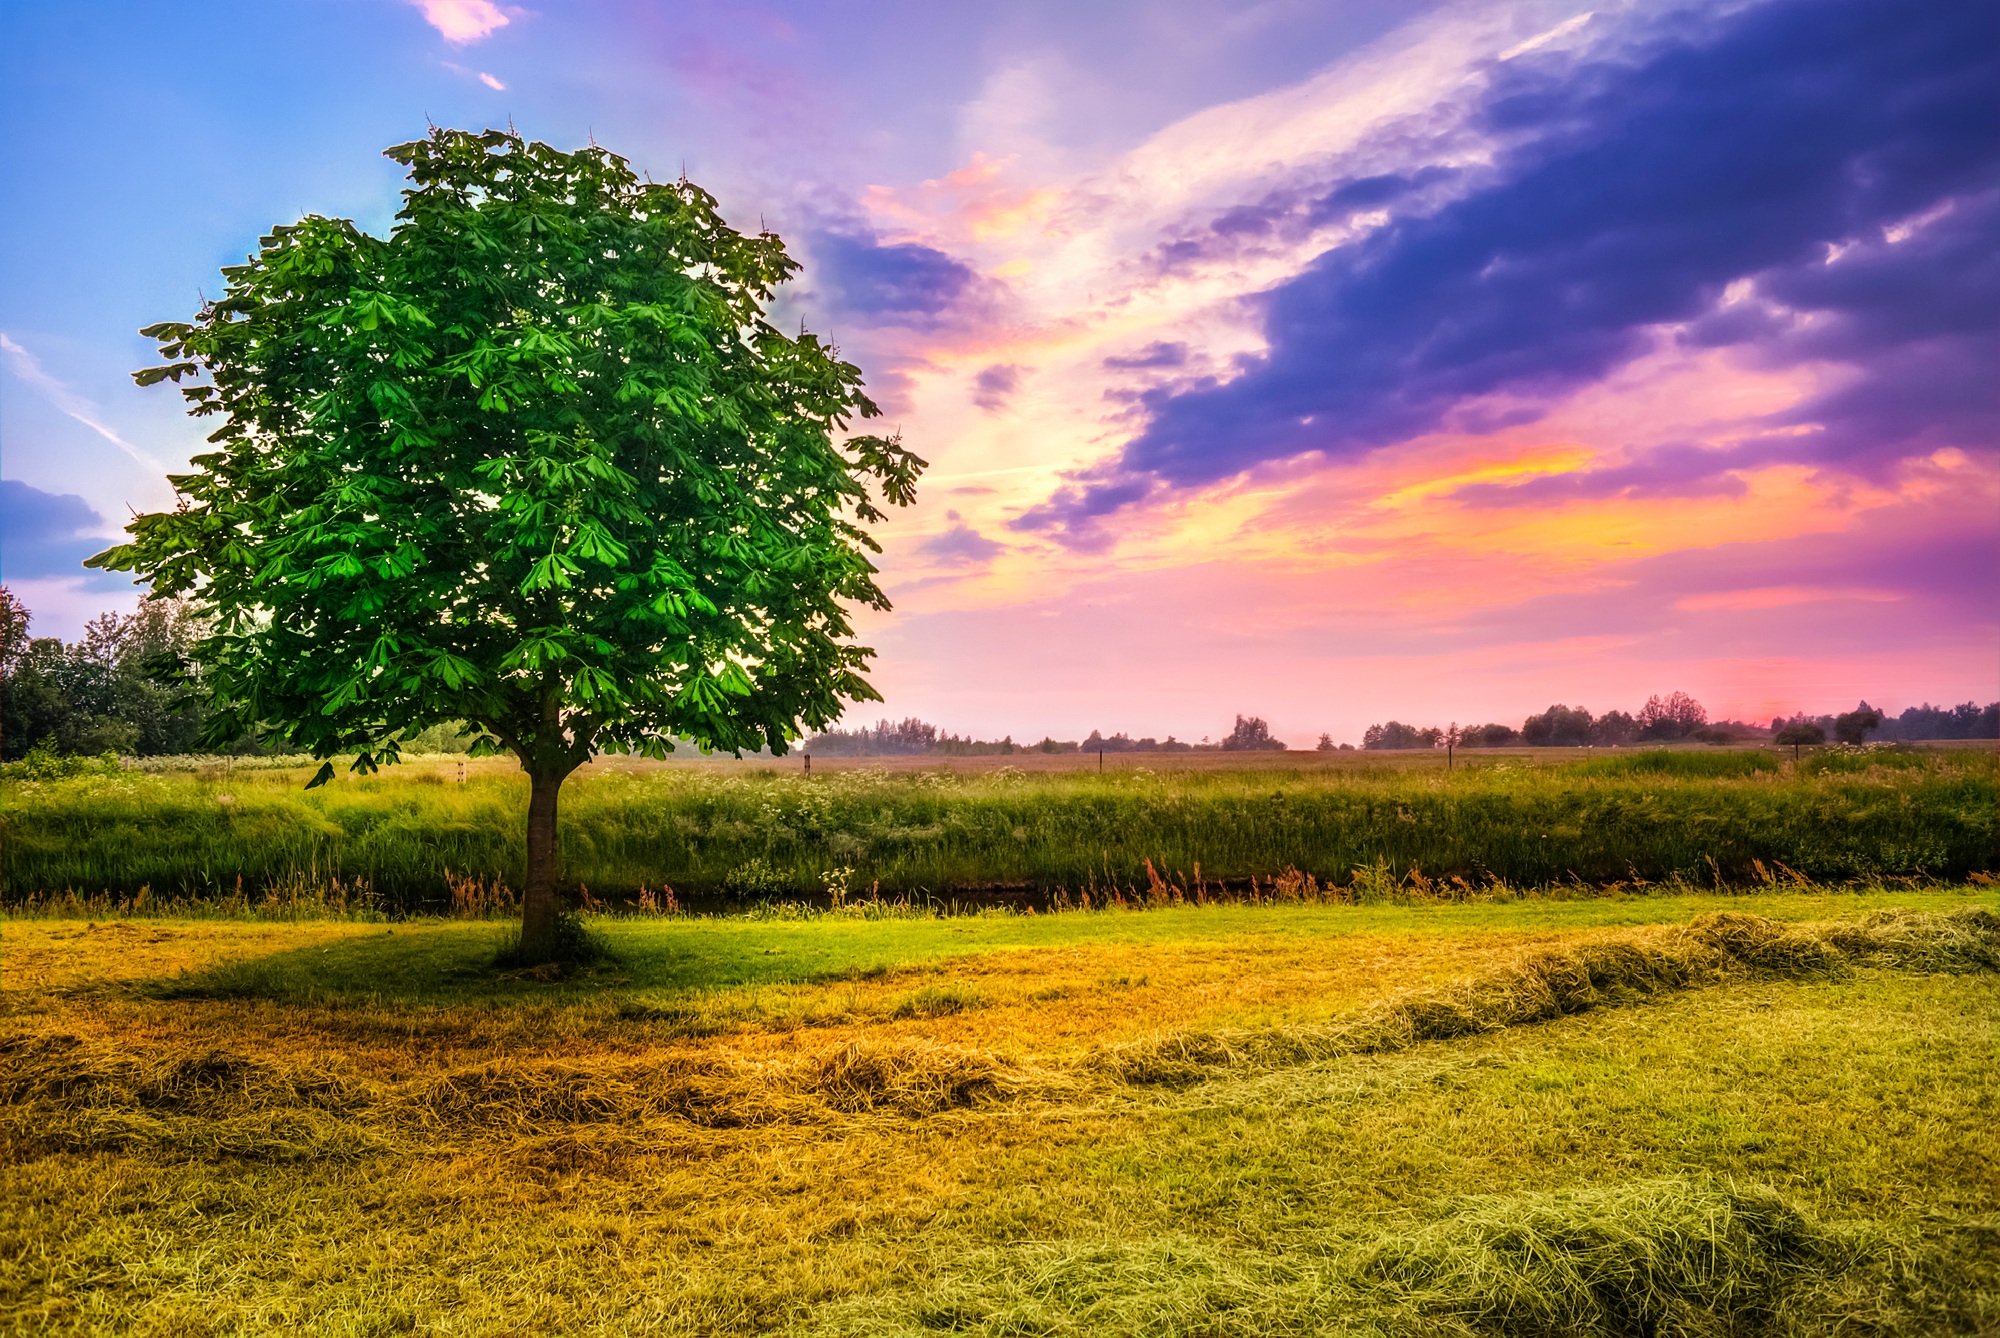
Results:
<point x="29" y="369"/>
<point x="492" y="82"/>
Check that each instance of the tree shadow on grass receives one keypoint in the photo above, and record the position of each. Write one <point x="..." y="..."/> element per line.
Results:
<point x="460" y="965"/>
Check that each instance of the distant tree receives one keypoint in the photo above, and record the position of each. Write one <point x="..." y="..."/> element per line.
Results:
<point x="535" y="461"/>
<point x="1325" y="744"/>
<point x="1673" y="717"/>
<point x="889" y="738"/>
<point x="1397" y="736"/>
<point x="1968" y="720"/>
<point x="14" y="620"/>
<point x="125" y="685"/>
<point x="1491" y="736"/>
<point x="1613" y="729"/>
<point x="1558" y="727"/>
<point x="1854" y="726"/>
<point x="1797" y="732"/>
<point x="1251" y="735"/>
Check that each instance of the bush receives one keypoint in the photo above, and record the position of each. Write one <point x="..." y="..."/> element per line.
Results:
<point x="45" y="762"/>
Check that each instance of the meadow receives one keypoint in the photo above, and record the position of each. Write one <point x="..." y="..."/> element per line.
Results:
<point x="1223" y="825"/>
<point x="1656" y="1043"/>
<point x="1771" y="1112"/>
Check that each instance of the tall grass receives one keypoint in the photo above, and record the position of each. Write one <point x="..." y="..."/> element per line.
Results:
<point x="1702" y="819"/>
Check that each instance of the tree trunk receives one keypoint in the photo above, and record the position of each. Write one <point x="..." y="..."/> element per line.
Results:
<point x="539" y="907"/>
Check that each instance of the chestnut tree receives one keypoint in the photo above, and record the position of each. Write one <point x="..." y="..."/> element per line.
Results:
<point x="535" y="462"/>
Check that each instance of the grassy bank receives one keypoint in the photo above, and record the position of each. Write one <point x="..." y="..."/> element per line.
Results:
<point x="1673" y="1115"/>
<point x="1689" y="818"/>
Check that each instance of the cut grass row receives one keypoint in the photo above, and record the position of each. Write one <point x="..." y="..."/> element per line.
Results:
<point x="1691" y="819"/>
<point x="1802" y="1144"/>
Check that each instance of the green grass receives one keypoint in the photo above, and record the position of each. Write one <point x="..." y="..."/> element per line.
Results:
<point x="1695" y="819"/>
<point x="1761" y="1115"/>
<point x="444" y="963"/>
<point x="1661" y="762"/>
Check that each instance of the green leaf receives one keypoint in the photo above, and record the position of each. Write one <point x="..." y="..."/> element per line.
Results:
<point x="534" y="459"/>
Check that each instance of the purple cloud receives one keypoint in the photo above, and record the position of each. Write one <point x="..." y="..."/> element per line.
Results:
<point x="1158" y="355"/>
<point x="961" y="544"/>
<point x="994" y="386"/>
<point x="48" y="535"/>
<point x="903" y="283"/>
<point x="1636" y="187"/>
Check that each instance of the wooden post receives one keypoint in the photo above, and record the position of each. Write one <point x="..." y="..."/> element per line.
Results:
<point x="1100" y="759"/>
<point x="461" y="773"/>
<point x="809" y="764"/>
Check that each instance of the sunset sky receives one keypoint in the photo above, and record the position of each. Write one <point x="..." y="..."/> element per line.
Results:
<point x="1323" y="360"/>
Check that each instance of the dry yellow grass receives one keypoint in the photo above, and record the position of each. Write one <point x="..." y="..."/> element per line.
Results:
<point x="946" y="1135"/>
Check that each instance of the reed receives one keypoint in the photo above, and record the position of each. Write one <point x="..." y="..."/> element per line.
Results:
<point x="754" y="833"/>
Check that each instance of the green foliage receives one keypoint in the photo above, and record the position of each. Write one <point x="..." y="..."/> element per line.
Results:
<point x="535" y="462"/>
<point x="758" y="833"/>
<point x="46" y="762"/>
<point x="756" y="880"/>
<point x="1661" y="762"/>
<point x="124" y="686"/>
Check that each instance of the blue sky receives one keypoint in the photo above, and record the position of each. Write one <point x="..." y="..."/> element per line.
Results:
<point x="1380" y="359"/>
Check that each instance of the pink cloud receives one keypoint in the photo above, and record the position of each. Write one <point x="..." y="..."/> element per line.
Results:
<point x="463" y="21"/>
<point x="1777" y="597"/>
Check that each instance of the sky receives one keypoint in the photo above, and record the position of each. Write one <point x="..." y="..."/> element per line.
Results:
<point x="1326" y="361"/>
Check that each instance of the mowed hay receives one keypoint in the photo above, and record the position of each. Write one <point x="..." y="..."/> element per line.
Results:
<point x="60" y="1094"/>
<point x="1658" y="1257"/>
<point x="1671" y="1257"/>
<point x="1712" y="949"/>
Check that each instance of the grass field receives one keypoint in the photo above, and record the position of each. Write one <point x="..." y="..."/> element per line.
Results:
<point x="1770" y="1113"/>
<point x="1702" y="818"/>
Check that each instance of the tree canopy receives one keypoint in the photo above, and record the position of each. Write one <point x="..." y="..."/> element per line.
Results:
<point x="535" y="461"/>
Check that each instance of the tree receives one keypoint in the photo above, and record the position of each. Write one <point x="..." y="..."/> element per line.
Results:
<point x="1796" y="733"/>
<point x="1674" y="717"/>
<point x="1853" y="726"/>
<point x="14" y="620"/>
<point x="1326" y="744"/>
<point x="907" y="737"/>
<point x="1613" y="729"/>
<point x="1397" y="735"/>
<point x="1558" y="727"/>
<point x="1251" y="735"/>
<point x="1490" y="736"/>
<point x="535" y="462"/>
<point x="123" y="686"/>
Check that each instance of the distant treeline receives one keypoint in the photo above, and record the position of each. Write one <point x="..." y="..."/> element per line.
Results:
<point x="915" y="738"/>
<point x="1677" y="717"/>
<point x="128" y="686"/>
<point x="125" y="686"/>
